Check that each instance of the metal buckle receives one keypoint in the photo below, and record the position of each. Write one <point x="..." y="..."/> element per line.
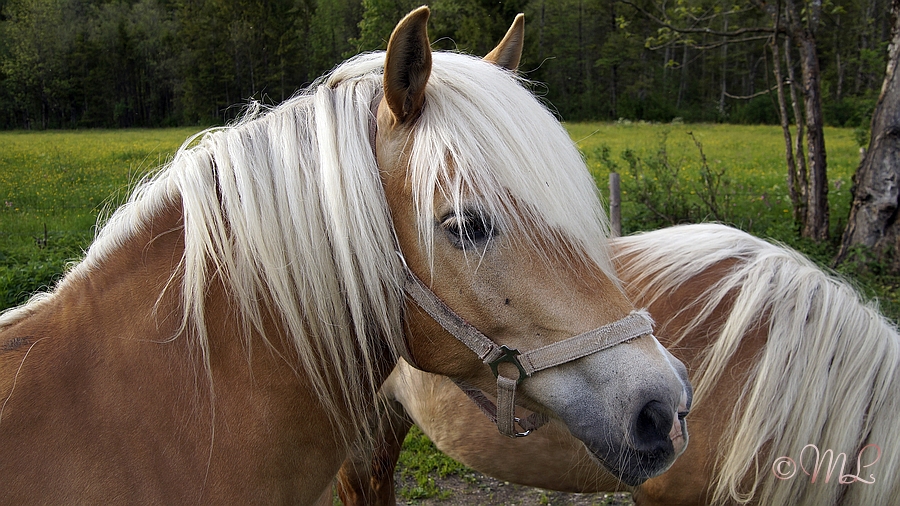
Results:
<point x="521" y="434"/>
<point x="509" y="355"/>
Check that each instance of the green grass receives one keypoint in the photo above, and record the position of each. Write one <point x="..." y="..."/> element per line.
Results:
<point x="420" y="463"/>
<point x="752" y="157"/>
<point x="53" y="188"/>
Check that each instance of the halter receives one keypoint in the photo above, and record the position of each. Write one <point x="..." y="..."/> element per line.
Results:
<point x="636" y="324"/>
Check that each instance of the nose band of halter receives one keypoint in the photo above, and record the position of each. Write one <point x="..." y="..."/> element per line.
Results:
<point x="636" y="324"/>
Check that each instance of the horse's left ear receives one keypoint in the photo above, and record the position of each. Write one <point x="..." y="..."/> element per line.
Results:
<point x="509" y="51"/>
<point x="407" y="66"/>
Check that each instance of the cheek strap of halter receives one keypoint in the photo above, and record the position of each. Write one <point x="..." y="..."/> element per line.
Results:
<point x="636" y="324"/>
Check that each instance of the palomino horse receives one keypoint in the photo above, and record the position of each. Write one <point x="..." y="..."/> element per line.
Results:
<point x="782" y="356"/>
<point x="225" y="337"/>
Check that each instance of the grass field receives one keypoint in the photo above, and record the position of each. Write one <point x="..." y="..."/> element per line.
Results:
<point x="750" y="157"/>
<point x="55" y="185"/>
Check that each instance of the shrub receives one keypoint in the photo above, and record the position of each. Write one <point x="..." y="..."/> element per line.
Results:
<point x="663" y="192"/>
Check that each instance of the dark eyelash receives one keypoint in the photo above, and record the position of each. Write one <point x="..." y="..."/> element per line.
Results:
<point x="467" y="229"/>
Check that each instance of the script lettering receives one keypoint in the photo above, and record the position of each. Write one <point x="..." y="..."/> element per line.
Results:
<point x="785" y="468"/>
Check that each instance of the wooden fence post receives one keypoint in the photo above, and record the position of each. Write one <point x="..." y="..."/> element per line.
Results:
<point x="615" y="201"/>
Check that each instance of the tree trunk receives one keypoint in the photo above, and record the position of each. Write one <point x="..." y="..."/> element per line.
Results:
<point x="614" y="89"/>
<point x="793" y="190"/>
<point x="816" y="226"/>
<point x="803" y="24"/>
<point x="682" y="82"/>
<point x="800" y="155"/>
<point x="722" y="78"/>
<point x="876" y="184"/>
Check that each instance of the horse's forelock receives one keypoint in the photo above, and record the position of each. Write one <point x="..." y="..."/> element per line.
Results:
<point x="484" y="137"/>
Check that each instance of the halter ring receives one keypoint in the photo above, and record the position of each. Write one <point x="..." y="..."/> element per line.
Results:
<point x="509" y="355"/>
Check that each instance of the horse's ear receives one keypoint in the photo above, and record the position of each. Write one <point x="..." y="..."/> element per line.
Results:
<point x="509" y="51"/>
<point x="407" y="66"/>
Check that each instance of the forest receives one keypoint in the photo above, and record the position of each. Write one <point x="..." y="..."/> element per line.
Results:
<point x="147" y="63"/>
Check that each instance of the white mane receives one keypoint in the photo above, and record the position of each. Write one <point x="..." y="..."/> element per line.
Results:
<point x="828" y="374"/>
<point x="287" y="207"/>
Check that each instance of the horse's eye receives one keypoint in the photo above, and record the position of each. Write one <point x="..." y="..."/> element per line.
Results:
<point x="467" y="229"/>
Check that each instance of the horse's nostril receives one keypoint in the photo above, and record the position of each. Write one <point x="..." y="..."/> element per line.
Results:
<point x="653" y="424"/>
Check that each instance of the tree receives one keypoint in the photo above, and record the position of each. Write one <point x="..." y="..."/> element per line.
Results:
<point x="803" y="23"/>
<point x="333" y="28"/>
<point x="807" y="178"/>
<point x="107" y="63"/>
<point x="801" y="20"/>
<point x="876" y="185"/>
<point x="36" y="68"/>
<point x="472" y="26"/>
<point x="235" y="50"/>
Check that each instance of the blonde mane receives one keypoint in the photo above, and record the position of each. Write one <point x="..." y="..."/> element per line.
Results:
<point x="827" y="375"/>
<point x="287" y="208"/>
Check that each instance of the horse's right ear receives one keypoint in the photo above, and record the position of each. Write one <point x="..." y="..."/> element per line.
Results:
<point x="407" y="66"/>
<point x="508" y="53"/>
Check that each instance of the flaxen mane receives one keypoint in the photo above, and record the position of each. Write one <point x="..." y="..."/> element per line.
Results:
<point x="827" y="376"/>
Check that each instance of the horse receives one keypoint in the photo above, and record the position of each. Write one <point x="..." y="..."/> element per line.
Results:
<point x="225" y="336"/>
<point x="796" y="383"/>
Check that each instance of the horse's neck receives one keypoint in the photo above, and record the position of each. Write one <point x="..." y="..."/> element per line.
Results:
<point x="111" y="308"/>
<point x="102" y="369"/>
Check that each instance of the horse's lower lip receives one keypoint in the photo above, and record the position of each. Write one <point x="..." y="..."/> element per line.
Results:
<point x="633" y="481"/>
<point x="629" y="478"/>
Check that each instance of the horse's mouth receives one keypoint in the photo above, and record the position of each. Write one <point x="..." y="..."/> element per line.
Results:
<point x="633" y="473"/>
<point x="639" y="466"/>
